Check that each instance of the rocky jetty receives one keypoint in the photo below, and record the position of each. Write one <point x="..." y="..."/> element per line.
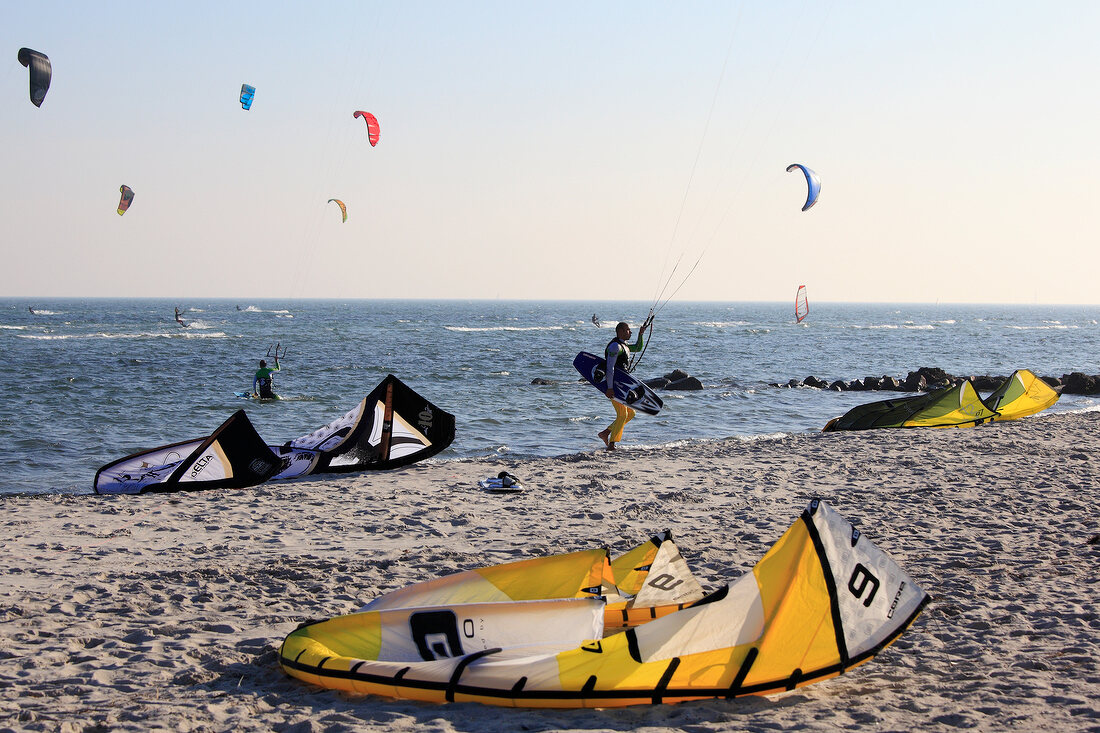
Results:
<point x="927" y="378"/>
<point x="675" y="380"/>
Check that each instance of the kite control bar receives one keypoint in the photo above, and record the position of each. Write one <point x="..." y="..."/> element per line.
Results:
<point x="278" y="354"/>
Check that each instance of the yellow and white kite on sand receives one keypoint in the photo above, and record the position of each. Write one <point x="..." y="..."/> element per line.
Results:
<point x="581" y="630"/>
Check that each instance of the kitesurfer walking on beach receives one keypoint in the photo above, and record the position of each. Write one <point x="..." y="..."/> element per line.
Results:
<point x="615" y="353"/>
<point x="262" y="383"/>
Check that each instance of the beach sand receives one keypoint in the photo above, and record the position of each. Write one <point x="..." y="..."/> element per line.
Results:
<point x="166" y="611"/>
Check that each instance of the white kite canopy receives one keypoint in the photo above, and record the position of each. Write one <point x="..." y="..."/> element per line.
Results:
<point x="233" y="456"/>
<point x="824" y="599"/>
<point x="393" y="426"/>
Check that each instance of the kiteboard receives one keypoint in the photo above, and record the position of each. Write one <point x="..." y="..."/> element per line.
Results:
<point x="502" y="483"/>
<point x="250" y="396"/>
<point x="628" y="390"/>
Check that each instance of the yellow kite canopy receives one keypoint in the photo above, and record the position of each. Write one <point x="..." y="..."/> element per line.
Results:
<point x="1021" y="395"/>
<point x="957" y="407"/>
<point x="961" y="406"/>
<point x="822" y="600"/>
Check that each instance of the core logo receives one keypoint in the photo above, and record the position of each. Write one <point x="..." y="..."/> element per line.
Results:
<point x="665" y="582"/>
<point x="425" y="418"/>
<point x="897" y="597"/>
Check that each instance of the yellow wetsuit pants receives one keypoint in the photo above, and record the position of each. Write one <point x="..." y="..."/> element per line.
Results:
<point x="623" y="415"/>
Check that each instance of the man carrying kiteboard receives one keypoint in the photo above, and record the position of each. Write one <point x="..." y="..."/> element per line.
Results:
<point x="616" y="355"/>
<point x="263" y="380"/>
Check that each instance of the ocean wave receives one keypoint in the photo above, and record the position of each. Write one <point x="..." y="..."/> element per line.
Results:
<point x="758" y="438"/>
<point x="48" y="313"/>
<point x="13" y="328"/>
<point x="481" y="329"/>
<point x="719" y="324"/>
<point x="1055" y="326"/>
<point x="102" y="335"/>
<point x="254" y="309"/>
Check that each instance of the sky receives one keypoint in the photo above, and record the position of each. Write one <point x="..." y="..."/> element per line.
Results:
<point x="567" y="150"/>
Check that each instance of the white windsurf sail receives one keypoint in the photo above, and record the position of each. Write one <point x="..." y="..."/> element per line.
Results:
<point x="801" y="304"/>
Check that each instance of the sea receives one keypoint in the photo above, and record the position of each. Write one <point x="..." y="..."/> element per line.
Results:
<point x="86" y="381"/>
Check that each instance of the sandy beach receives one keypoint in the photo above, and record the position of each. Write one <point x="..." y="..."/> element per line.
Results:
<point x="165" y="611"/>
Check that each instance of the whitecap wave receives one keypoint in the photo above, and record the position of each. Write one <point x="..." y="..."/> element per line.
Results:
<point x="482" y="329"/>
<point x="104" y="335"/>
<point x="254" y="309"/>
<point x="720" y="324"/>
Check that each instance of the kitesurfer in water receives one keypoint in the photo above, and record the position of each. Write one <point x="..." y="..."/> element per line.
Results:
<point x="595" y="320"/>
<point x="616" y="355"/>
<point x="262" y="383"/>
<point x="179" y="318"/>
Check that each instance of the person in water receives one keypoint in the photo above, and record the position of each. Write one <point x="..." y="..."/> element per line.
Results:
<point x="179" y="318"/>
<point x="595" y="320"/>
<point x="263" y="383"/>
<point x="616" y="355"/>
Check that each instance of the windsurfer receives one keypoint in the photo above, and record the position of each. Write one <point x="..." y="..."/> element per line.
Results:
<point x="616" y="355"/>
<point x="263" y="383"/>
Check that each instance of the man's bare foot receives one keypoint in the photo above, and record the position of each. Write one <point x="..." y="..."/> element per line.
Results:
<point x="604" y="435"/>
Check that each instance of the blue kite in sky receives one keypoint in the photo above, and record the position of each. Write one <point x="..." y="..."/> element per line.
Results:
<point x="813" y="184"/>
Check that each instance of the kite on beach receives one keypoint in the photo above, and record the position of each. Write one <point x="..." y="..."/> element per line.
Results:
<point x="961" y="406"/>
<point x="232" y="457"/>
<point x="391" y="427"/>
<point x="543" y="632"/>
